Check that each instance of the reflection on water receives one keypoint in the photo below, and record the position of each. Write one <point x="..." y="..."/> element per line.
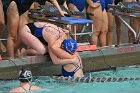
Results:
<point x="50" y="85"/>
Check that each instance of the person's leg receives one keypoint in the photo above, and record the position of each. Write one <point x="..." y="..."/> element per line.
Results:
<point x="110" y="23"/>
<point x="97" y="18"/>
<point x="13" y="22"/>
<point x="133" y="24"/>
<point x="138" y="22"/>
<point x="110" y="29"/>
<point x="36" y="5"/>
<point x="104" y="30"/>
<point x="74" y="8"/>
<point x="118" y="30"/>
<point x="2" y="23"/>
<point x="36" y="47"/>
<point x="118" y="26"/>
<point x="30" y="52"/>
<point x="138" y="30"/>
<point x="23" y="19"/>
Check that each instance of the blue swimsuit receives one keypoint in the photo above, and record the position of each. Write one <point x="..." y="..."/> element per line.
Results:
<point x="102" y="2"/>
<point x="108" y="2"/>
<point x="71" y="74"/>
<point x="37" y="32"/>
<point x="80" y="4"/>
<point x="24" y="5"/>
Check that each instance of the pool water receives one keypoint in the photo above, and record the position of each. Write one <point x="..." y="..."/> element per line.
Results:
<point x="50" y="85"/>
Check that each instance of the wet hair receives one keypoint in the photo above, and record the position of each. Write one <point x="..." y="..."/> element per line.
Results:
<point x="25" y="75"/>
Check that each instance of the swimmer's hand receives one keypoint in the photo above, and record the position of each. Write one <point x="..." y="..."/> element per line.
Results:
<point x="75" y="62"/>
<point x="66" y="15"/>
<point x="64" y="30"/>
<point x="63" y="13"/>
<point x="63" y="33"/>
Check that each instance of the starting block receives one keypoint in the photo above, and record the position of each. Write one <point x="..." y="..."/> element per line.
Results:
<point x="52" y="15"/>
<point x="71" y="24"/>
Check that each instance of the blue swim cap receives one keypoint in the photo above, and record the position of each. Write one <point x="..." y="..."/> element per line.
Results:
<point x="69" y="45"/>
<point x="25" y="75"/>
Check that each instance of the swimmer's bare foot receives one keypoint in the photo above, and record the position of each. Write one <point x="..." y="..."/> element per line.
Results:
<point x="2" y="47"/>
<point x="18" y="54"/>
<point x="23" y="52"/>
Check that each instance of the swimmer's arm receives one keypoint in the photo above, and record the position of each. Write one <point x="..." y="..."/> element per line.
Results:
<point x="57" y="60"/>
<point x="36" y="87"/>
<point x="61" y="53"/>
<point x="55" y="2"/>
<point x="64" y="30"/>
<point x="58" y="51"/>
<point x="48" y="3"/>
<point x="65" y="5"/>
<point x="14" y="90"/>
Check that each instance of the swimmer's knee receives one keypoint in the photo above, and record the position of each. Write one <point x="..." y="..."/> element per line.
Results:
<point x="110" y="28"/>
<point x="104" y="32"/>
<point x="2" y="23"/>
<point x="96" y="32"/>
<point x="12" y="36"/>
<point x="42" y="51"/>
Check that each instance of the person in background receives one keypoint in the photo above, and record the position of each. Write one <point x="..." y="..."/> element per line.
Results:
<point x="117" y="1"/>
<point x="97" y="7"/>
<point x="16" y="17"/>
<point x="25" y="78"/>
<point x="17" y="14"/>
<point x="77" y="5"/>
<point x="139" y="20"/>
<point x="134" y="23"/>
<point x="57" y="3"/>
<point x="110" y="23"/>
<point x="2" y="24"/>
<point x="118" y="26"/>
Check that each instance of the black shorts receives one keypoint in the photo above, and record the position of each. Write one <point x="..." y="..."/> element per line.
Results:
<point x="23" y="5"/>
<point x="117" y="1"/>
